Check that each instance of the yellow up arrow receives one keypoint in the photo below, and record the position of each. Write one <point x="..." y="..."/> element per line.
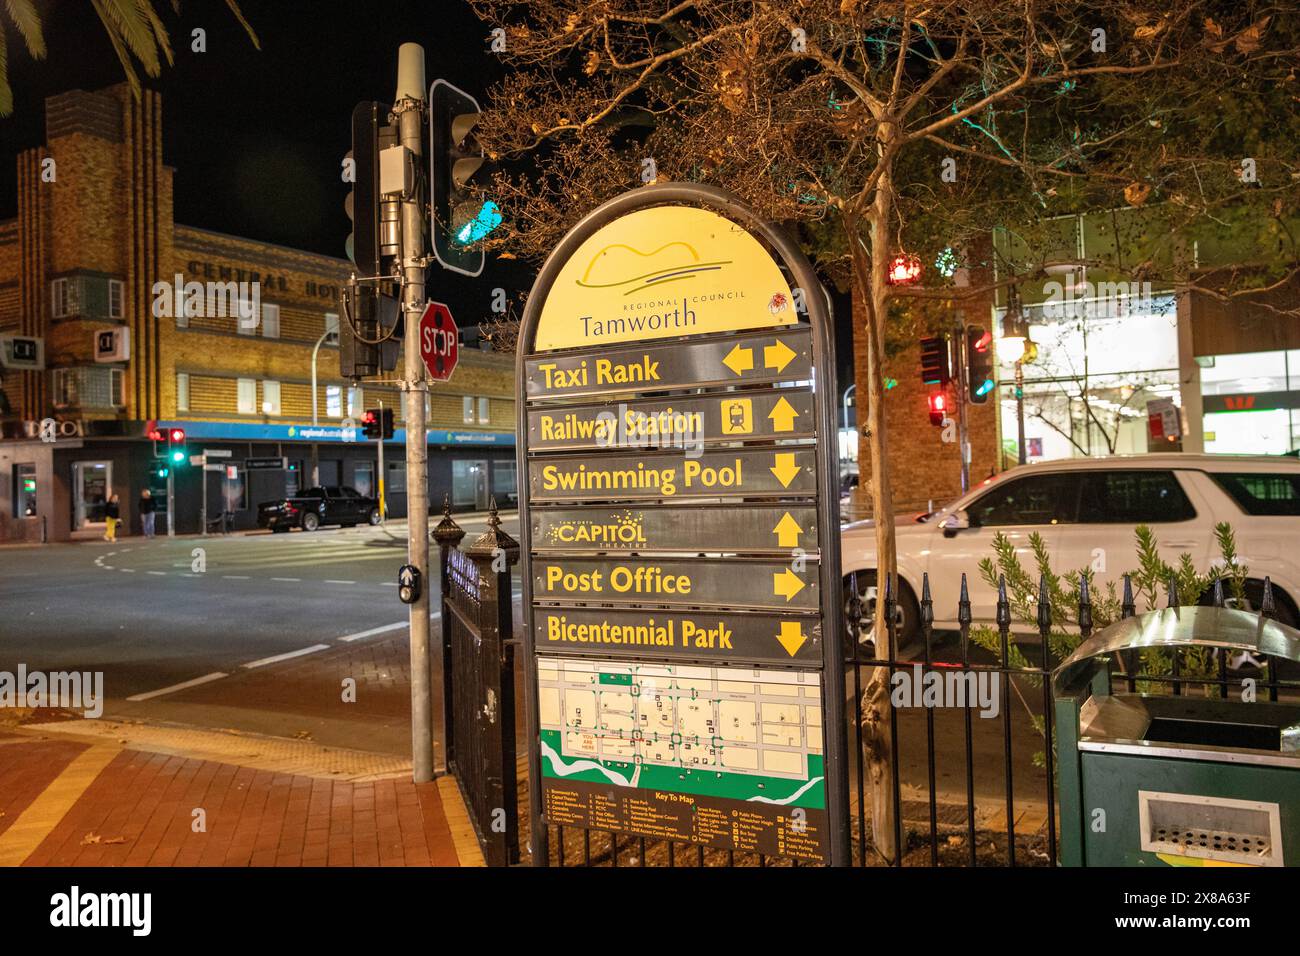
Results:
<point x="783" y="416"/>
<point x="787" y="532"/>
<point x="739" y="360"/>
<point x="791" y="637"/>
<point x="787" y="584"/>
<point x="785" y="469"/>
<point x="777" y="356"/>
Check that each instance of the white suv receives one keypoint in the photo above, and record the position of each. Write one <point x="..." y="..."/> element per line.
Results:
<point x="1086" y="511"/>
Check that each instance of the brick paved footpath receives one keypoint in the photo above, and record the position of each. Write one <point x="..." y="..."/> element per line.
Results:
<point x="71" y="802"/>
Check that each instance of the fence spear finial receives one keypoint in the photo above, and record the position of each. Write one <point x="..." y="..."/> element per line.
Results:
<point x="1085" y="606"/>
<point x="1173" y="592"/>
<point x="1218" y="592"/>
<point x="927" y="602"/>
<point x="1267" y="604"/>
<point x="1127" y="607"/>
<point x="1004" y="606"/>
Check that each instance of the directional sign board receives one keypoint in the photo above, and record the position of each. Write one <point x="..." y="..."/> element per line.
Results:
<point x="681" y="545"/>
<point x="439" y="341"/>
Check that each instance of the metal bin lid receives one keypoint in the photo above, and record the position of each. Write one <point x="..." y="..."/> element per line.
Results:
<point x="1224" y="627"/>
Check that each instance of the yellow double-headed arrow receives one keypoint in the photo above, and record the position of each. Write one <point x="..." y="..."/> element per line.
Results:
<point x="741" y="360"/>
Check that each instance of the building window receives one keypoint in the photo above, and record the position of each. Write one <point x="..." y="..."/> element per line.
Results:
<point x="60" y="299"/>
<point x="354" y="402"/>
<point x="469" y="409"/>
<point x="334" y="401"/>
<point x="182" y="391"/>
<point x="247" y="391"/>
<point x="331" y="327"/>
<point x="270" y="321"/>
<point x="114" y="298"/>
<point x="484" y="411"/>
<point x="89" y="387"/>
<point x="270" y="397"/>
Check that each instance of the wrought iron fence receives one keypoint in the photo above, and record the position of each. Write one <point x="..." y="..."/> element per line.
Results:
<point x="1002" y="810"/>
<point x="479" y="680"/>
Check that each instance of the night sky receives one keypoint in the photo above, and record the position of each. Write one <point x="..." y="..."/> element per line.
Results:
<point x="257" y="137"/>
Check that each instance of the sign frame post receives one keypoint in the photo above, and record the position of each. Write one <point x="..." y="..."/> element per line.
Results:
<point x="785" y="254"/>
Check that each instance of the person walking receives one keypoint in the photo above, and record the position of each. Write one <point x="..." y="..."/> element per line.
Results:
<point x="112" y="515"/>
<point x="148" y="507"/>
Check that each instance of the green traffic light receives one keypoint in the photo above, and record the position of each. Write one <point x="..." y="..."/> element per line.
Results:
<point x="178" y="456"/>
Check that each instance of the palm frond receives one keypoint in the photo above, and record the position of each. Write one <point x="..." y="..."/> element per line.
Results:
<point x="128" y="28"/>
<point x="123" y="55"/>
<point x="248" y="27"/>
<point x="6" y="92"/>
<point x="28" y="21"/>
<point x="159" y="31"/>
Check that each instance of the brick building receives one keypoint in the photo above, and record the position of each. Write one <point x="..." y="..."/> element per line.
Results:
<point x="116" y="321"/>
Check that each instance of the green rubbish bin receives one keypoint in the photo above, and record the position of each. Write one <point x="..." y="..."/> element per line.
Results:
<point x="1190" y="780"/>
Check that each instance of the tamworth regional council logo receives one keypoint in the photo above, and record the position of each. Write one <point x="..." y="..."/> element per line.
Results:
<point x="620" y="266"/>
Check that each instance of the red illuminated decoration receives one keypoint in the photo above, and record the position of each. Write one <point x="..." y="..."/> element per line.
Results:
<point x="904" y="269"/>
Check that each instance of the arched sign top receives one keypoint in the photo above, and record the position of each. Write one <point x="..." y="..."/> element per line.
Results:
<point x="662" y="272"/>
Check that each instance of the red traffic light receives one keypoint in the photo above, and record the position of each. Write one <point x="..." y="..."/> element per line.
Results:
<point x="938" y="406"/>
<point x="903" y="270"/>
<point x="176" y="436"/>
<point x="982" y="342"/>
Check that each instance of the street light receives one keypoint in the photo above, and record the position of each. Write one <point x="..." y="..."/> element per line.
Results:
<point x="315" y="457"/>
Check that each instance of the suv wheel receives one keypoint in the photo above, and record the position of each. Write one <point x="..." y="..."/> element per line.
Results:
<point x="858" y="641"/>
<point x="310" y="521"/>
<point x="373" y="517"/>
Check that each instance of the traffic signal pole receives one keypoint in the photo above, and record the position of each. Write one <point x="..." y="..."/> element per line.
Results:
<point x="409" y="110"/>
<point x="379" y="442"/>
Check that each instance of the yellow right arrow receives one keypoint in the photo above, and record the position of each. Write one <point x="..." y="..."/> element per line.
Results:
<point x="778" y="356"/>
<point x="791" y="637"/>
<point x="787" y="532"/>
<point x="785" y="469"/>
<point x="739" y="360"/>
<point x="787" y="584"/>
<point x="783" y="416"/>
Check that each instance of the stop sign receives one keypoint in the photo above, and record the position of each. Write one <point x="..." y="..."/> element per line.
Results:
<point x="439" y="341"/>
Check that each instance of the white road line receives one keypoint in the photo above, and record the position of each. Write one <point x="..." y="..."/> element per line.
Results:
<point x="205" y="679"/>
<point x="127" y="570"/>
<point x="161" y="574"/>
<point x="334" y="581"/>
<point x="235" y="577"/>
<point x="388" y="584"/>
<point x="291" y="580"/>
<point x="289" y="656"/>
<point x="399" y="626"/>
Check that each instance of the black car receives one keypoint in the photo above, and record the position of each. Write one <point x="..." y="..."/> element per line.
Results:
<point x="334" y="504"/>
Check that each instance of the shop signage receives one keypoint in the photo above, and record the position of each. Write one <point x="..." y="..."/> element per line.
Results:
<point x="680" y="534"/>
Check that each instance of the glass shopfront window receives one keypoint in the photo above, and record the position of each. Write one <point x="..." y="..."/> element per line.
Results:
<point x="1251" y="402"/>
<point x="1094" y="364"/>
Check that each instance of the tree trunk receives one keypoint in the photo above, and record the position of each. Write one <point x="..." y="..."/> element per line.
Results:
<point x="869" y="274"/>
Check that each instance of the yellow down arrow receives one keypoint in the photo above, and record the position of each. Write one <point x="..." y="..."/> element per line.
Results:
<point x="785" y="469"/>
<point x="783" y="416"/>
<point x="777" y="356"/>
<point x="739" y="360"/>
<point x="787" y="584"/>
<point x="787" y="532"/>
<point x="791" y="637"/>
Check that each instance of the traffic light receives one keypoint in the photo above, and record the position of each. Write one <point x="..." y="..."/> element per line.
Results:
<point x="459" y="220"/>
<point x="159" y="469"/>
<point x="979" y="363"/>
<point x="176" y="446"/>
<point x="938" y="408"/>
<point x="369" y="339"/>
<point x="936" y="369"/>
<point x="377" y="423"/>
<point x="904" y="269"/>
